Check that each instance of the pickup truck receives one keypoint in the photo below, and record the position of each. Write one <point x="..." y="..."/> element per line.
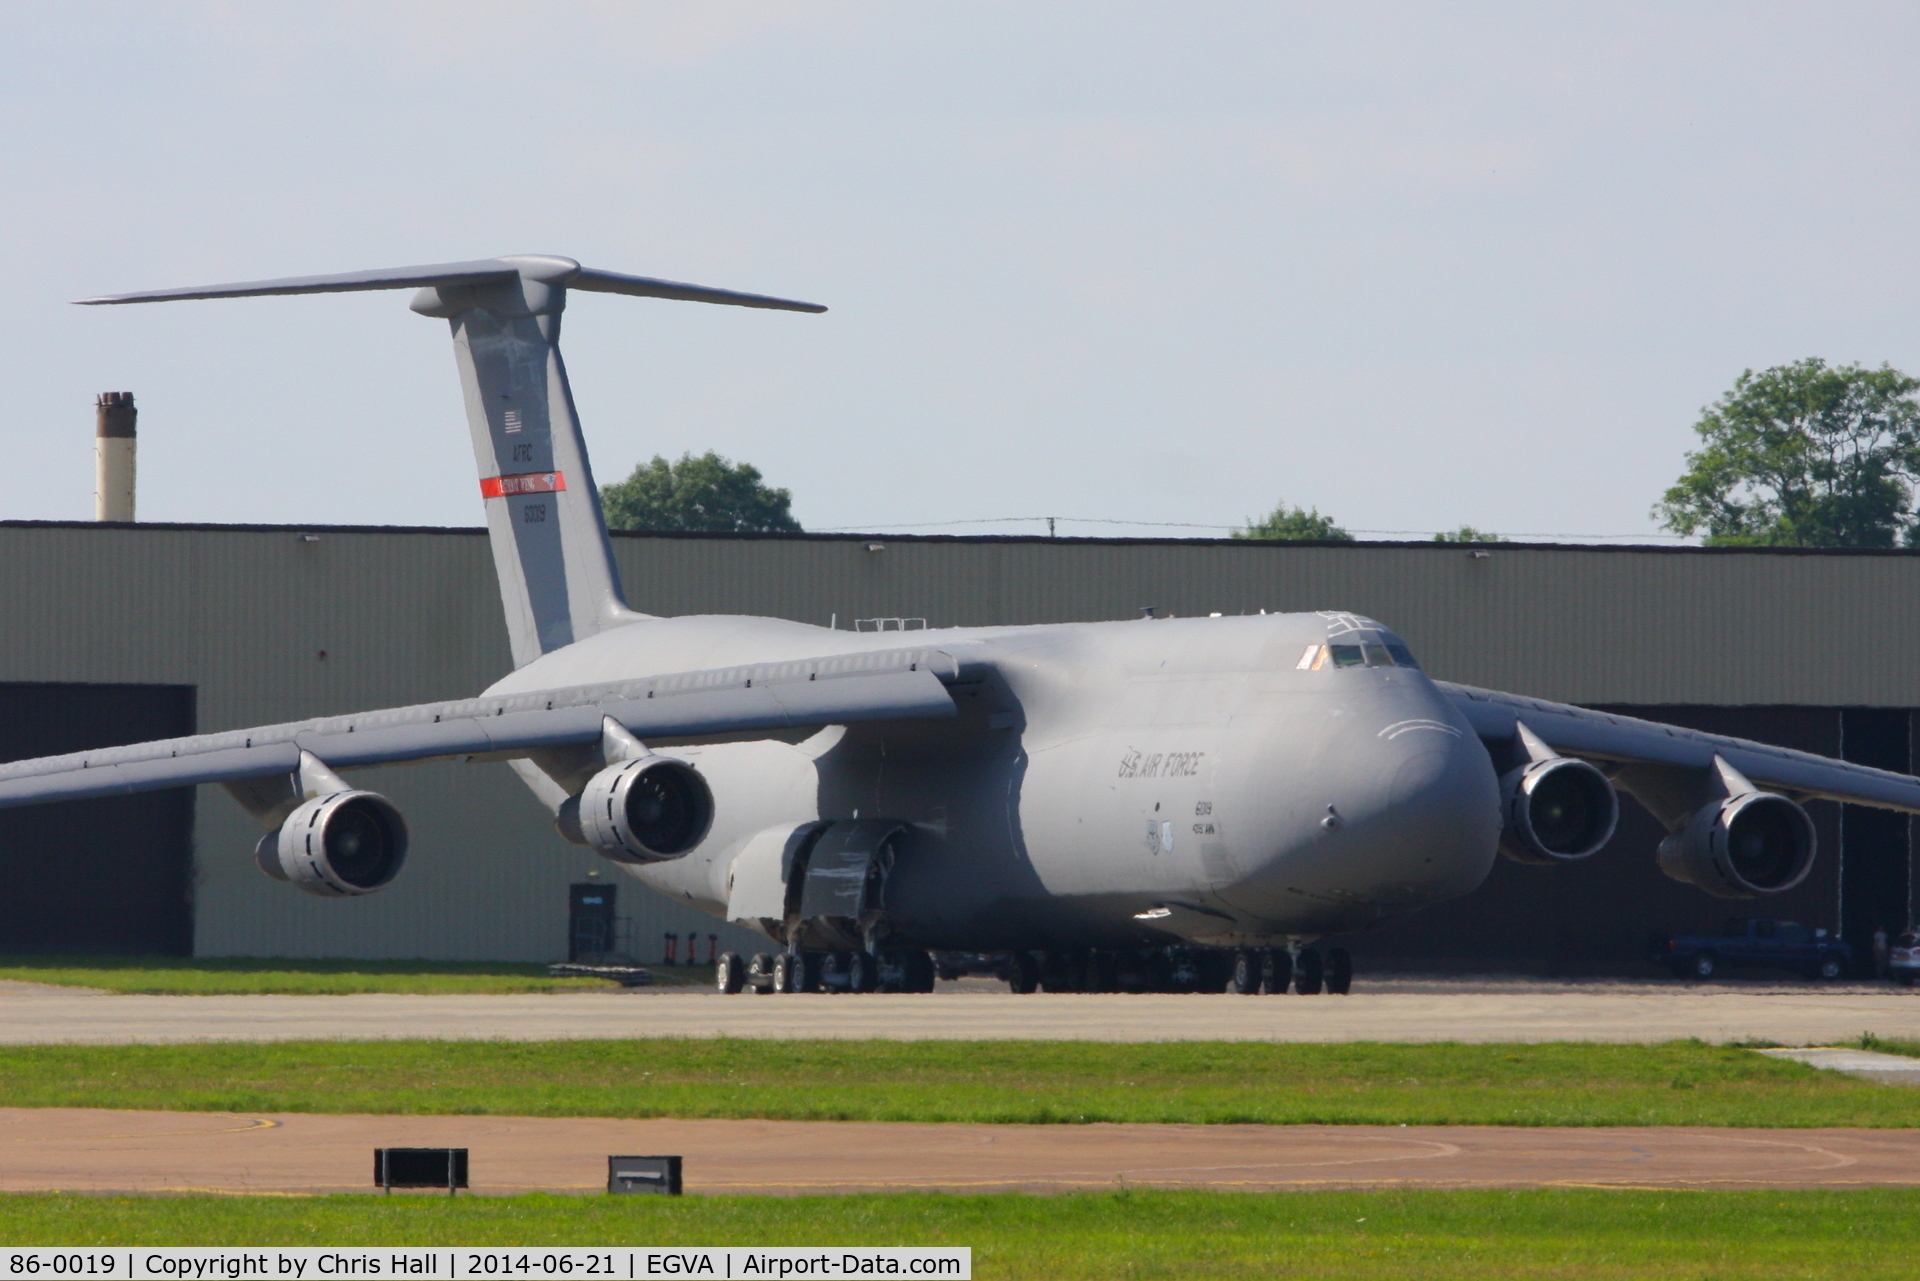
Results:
<point x="1753" y="943"/>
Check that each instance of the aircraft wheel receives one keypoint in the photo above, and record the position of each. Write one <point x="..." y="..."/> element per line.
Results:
<point x="1246" y="972"/>
<point x="916" y="969"/>
<point x="808" y="964"/>
<point x="729" y="973"/>
<point x="1023" y="973"/>
<point x="1277" y="968"/>
<point x="759" y="969"/>
<point x="1214" y="968"/>
<point x="863" y="972"/>
<point x="786" y="973"/>
<point x="1339" y="971"/>
<point x="1308" y="974"/>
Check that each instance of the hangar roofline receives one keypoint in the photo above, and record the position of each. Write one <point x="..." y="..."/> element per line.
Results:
<point x="1357" y="544"/>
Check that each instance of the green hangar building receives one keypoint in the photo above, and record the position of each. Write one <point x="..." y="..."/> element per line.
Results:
<point x="120" y="633"/>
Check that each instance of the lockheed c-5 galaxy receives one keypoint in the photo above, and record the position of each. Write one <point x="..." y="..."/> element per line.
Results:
<point x="1144" y="804"/>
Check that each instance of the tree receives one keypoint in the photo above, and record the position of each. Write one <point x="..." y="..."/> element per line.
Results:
<point x="1803" y="455"/>
<point x="1286" y="522"/>
<point x="1468" y="534"/>
<point x="704" y="493"/>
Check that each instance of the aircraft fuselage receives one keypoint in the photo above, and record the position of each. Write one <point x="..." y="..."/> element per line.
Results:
<point x="1107" y="784"/>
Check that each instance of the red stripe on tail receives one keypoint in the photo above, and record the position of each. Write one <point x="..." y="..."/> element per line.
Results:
<point x="545" y="482"/>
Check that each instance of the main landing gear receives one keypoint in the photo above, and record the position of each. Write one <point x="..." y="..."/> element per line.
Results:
<point x="1244" y="970"/>
<point x="893" y="971"/>
<point x="1247" y="971"/>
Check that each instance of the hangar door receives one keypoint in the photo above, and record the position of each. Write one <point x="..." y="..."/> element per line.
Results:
<point x="113" y="875"/>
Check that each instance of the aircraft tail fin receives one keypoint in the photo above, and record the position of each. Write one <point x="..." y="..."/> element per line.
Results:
<point x="550" y="547"/>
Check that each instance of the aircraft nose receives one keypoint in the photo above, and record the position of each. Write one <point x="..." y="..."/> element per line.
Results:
<point x="1428" y="827"/>
<point x="1411" y="817"/>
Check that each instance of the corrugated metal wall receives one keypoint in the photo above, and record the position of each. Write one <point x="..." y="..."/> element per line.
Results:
<point x="1607" y="625"/>
<point x="270" y="626"/>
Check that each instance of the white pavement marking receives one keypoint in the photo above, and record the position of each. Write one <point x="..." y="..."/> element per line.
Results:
<point x="1494" y="1012"/>
<point x="1890" y="1069"/>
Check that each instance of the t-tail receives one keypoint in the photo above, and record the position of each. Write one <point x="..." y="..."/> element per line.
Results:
<point x="550" y="548"/>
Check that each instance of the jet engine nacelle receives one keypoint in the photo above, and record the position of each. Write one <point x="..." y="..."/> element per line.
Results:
<point x="338" y="845"/>
<point x="1746" y="845"/>
<point x="1556" y="811"/>
<point x="646" y="810"/>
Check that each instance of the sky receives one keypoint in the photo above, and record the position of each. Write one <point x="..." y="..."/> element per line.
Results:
<point x="1147" y="268"/>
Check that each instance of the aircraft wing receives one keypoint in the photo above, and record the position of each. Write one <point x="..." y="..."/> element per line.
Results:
<point x="899" y="684"/>
<point x="1626" y="741"/>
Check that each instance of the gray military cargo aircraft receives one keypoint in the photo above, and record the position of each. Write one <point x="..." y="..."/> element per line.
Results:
<point x="1156" y="803"/>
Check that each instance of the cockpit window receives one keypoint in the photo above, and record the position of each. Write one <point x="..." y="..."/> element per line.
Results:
<point x="1366" y="654"/>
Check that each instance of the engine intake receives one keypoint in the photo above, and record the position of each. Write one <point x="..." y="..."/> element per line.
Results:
<point x="1746" y="845"/>
<point x="338" y="845"/>
<point x="646" y="810"/>
<point x="1556" y="811"/>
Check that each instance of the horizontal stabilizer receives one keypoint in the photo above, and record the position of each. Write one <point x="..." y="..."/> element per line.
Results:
<point x="546" y="269"/>
<point x="612" y="282"/>
<point x="485" y="271"/>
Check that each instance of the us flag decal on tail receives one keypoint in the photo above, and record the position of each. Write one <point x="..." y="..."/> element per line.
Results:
<point x="545" y="482"/>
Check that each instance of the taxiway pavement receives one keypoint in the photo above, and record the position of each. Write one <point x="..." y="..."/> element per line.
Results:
<point x="96" y="1150"/>
<point x="1406" y="1010"/>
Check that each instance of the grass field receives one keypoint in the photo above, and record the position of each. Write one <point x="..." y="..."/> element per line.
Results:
<point x="1560" y="1233"/>
<point x="276" y="976"/>
<point x="1678" y="1083"/>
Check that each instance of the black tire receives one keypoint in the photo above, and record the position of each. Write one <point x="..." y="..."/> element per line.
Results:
<point x="1308" y="973"/>
<point x="916" y="972"/>
<point x="1023" y="973"/>
<point x="1704" y="966"/>
<point x="1216" y="970"/>
<point x="1339" y="971"/>
<point x="809" y="967"/>
<point x="786" y="973"/>
<point x="1247" y="972"/>
<point x="761" y="968"/>
<point x="863" y="972"/>
<point x="729" y="973"/>
<point x="1830" y="967"/>
<point x="1277" y="967"/>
